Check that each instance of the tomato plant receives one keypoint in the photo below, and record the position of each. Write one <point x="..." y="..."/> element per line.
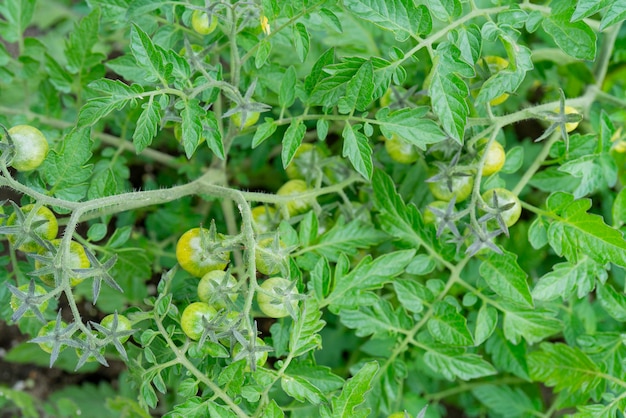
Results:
<point x="313" y="208"/>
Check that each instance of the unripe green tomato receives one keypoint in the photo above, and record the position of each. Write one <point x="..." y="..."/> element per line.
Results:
<point x="495" y="64"/>
<point x="568" y="110"/>
<point x="39" y="291"/>
<point x="201" y="23"/>
<point x="297" y="205"/>
<point x="495" y="159"/>
<point x="307" y="156"/>
<point x="191" y="319"/>
<point x="251" y="119"/>
<point x="195" y="259"/>
<point x="261" y="357"/>
<point x="271" y="302"/>
<point x="123" y="324"/>
<point x="77" y="260"/>
<point x="504" y="197"/>
<point x="267" y="259"/>
<point x="47" y="230"/>
<point x="397" y="415"/>
<point x="264" y="218"/>
<point x="401" y="151"/>
<point x="45" y="330"/>
<point x="461" y="188"/>
<point x="79" y="351"/>
<point x="429" y="216"/>
<point x="31" y="147"/>
<point x="211" y="292"/>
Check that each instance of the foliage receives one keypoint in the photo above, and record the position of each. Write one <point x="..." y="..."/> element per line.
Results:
<point x="387" y="303"/>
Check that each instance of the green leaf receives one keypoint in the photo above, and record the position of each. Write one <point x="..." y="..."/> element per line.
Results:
<point x="576" y="39"/>
<point x="319" y="376"/>
<point x="147" y="125"/>
<point x="83" y="38"/>
<point x="380" y="319"/>
<point x="614" y="14"/>
<point x="564" y="368"/>
<point x="614" y="303"/>
<point x="211" y="132"/>
<point x="412" y="294"/>
<point x="358" y="90"/>
<point x="586" y="8"/>
<point x="454" y="363"/>
<point x="507" y="356"/>
<point x="578" y="232"/>
<point x="264" y="131"/>
<point x="142" y="7"/>
<point x="567" y="279"/>
<point x="445" y="10"/>
<point x="357" y="148"/>
<point x="595" y="171"/>
<point x="317" y="72"/>
<point x="506" y="401"/>
<point x="321" y="279"/>
<point x="353" y="394"/>
<point x="272" y="410"/>
<point x="331" y="18"/>
<point x="619" y="208"/>
<point x="410" y="125"/>
<point x="346" y="238"/>
<point x="60" y="78"/>
<point x="401" y="17"/>
<point x="18" y="15"/>
<point x="469" y="42"/>
<point x="192" y="115"/>
<point x="287" y="94"/>
<point x="292" y="140"/>
<point x="262" y="53"/>
<point x="301" y="390"/>
<point x="146" y="54"/>
<point x="505" y="277"/>
<point x="304" y="333"/>
<point x="301" y="41"/>
<point x="508" y="80"/>
<point x="486" y="322"/>
<point x="533" y="326"/>
<point x="448" y="326"/>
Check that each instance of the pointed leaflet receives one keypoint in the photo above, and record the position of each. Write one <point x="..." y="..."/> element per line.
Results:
<point x="347" y="238"/>
<point x="211" y="132"/>
<point x="507" y="356"/>
<point x="486" y="322"/>
<point x="506" y="401"/>
<point x="303" y="335"/>
<point x="292" y="140"/>
<point x="410" y="125"/>
<point x="509" y="79"/>
<point x="596" y="172"/>
<point x="380" y="319"/>
<point x="358" y="90"/>
<point x="568" y="279"/>
<point x="505" y="277"/>
<point x="317" y="72"/>
<point x="263" y="131"/>
<point x="146" y="54"/>
<point x="613" y="302"/>
<point x="82" y="40"/>
<point x="357" y="148"/>
<point x="192" y="115"/>
<point x="578" y="232"/>
<point x="402" y="17"/>
<point x="533" y="326"/>
<point x="287" y="93"/>
<point x="445" y="10"/>
<point x="576" y="39"/>
<point x="454" y="363"/>
<point x="147" y="125"/>
<point x="614" y="14"/>
<point x="353" y="393"/>
<point x="448" y="326"/>
<point x="301" y="40"/>
<point x="301" y="389"/>
<point x="18" y="14"/>
<point x="118" y="96"/>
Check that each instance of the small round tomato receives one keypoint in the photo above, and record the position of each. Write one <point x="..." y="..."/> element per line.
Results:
<point x="488" y="66"/>
<point x="268" y="256"/>
<point x="461" y="188"/>
<point x="401" y="151"/>
<point x="398" y="415"/>
<point x="495" y="159"/>
<point x="123" y="324"/>
<point x="305" y="161"/>
<point x="274" y="297"/>
<point x="49" y="329"/>
<point x="264" y="219"/>
<point x="296" y="205"/>
<point x="503" y="198"/>
<point x="201" y="23"/>
<point x="251" y="119"/>
<point x="213" y="289"/>
<point x="569" y="110"/>
<point x="97" y="345"/>
<point x="47" y="230"/>
<point x="429" y="216"/>
<point x="31" y="147"/>
<point x="39" y="291"/>
<point x="77" y="260"/>
<point x="259" y="356"/>
<point x="198" y="254"/>
<point x="191" y="319"/>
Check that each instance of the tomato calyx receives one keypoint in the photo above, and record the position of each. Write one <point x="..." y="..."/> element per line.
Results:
<point x="451" y="180"/>
<point x="447" y="217"/>
<point x="28" y="300"/>
<point x="254" y="351"/>
<point x="502" y="206"/>
<point x="278" y="297"/>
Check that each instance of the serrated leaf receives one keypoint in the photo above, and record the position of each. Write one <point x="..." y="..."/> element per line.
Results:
<point x="211" y="132"/>
<point x="586" y="8"/>
<point x="319" y="376"/>
<point x="614" y="303"/>
<point x="304" y="333"/>
<point x="358" y="90"/>
<point x="143" y="7"/>
<point x="486" y="322"/>
<point x="263" y="131"/>
<point x="292" y="140"/>
<point x="533" y="326"/>
<point x="83" y="38"/>
<point x="18" y="14"/>
<point x="453" y="364"/>
<point x="146" y="54"/>
<point x="262" y="53"/>
<point x="505" y="277"/>
<point x="347" y="238"/>
<point x="301" y="41"/>
<point x="576" y="39"/>
<point x="317" y="72"/>
<point x="353" y="393"/>
<point x="448" y="92"/>
<point x="507" y="356"/>
<point x="508" y="80"/>
<point x="614" y="14"/>
<point x="332" y="18"/>
<point x="192" y="115"/>
<point x="445" y="10"/>
<point x="380" y="319"/>
<point x="410" y="125"/>
<point x="448" y="326"/>
<point x="567" y="279"/>
<point x="321" y="279"/>
<point x="401" y="17"/>
<point x="506" y="401"/>
<point x="357" y="148"/>
<point x="595" y="171"/>
<point x="287" y="93"/>
<point x="412" y="294"/>
<point x="147" y="125"/>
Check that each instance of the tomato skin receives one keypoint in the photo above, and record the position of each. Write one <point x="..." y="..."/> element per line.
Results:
<point x="196" y="260"/>
<point x="77" y="260"/>
<point x="304" y="161"/>
<point x="504" y="197"/>
<point x="265" y="298"/>
<point x="45" y="330"/>
<point x="461" y="188"/>
<point x="401" y="151"/>
<point x="31" y="147"/>
<point x="251" y="119"/>
<point x="495" y="64"/>
<point x="568" y="110"/>
<point x="267" y="259"/>
<point x="210" y="284"/>
<point x="123" y="324"/>
<point x="296" y="206"/>
<point x="191" y="319"/>
<point x="15" y="302"/>
<point x="47" y="231"/>
<point x="495" y="159"/>
<point x="264" y="219"/>
<point x="201" y="23"/>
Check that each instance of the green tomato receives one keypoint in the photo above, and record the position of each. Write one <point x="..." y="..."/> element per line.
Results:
<point x="271" y="298"/>
<point x="191" y="319"/>
<point x="213" y="290"/>
<point x="260" y="357"/>
<point x="31" y="147"/>
<point x="264" y="219"/>
<point x="123" y="324"/>
<point x="568" y="110"/>
<point x="401" y="151"/>
<point x="47" y="230"/>
<point x="268" y="258"/>
<point x="194" y="255"/>
<point x="305" y="161"/>
<point x="251" y="119"/>
<point x="495" y="159"/>
<point x="296" y="205"/>
<point x="15" y="302"/>
<point x="504" y="197"/>
<point x="48" y="329"/>
<point x="77" y="260"/>
<point x="201" y="23"/>
<point x="461" y="188"/>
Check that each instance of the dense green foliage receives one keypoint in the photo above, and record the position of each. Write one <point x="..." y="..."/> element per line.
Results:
<point x="340" y="146"/>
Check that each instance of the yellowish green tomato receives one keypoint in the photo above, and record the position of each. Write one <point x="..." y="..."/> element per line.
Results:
<point x="251" y="119"/>
<point x="123" y="324"/>
<point x="197" y="259"/>
<point x="296" y="205"/>
<point x="31" y="147"/>
<point x="429" y="216"/>
<point x="401" y="151"/>
<point x="267" y="258"/>
<point x="45" y="330"/>
<point x="398" y="415"/>
<point x="77" y="260"/>
<point x="201" y="23"/>
<point x="306" y="158"/>
<point x="504" y="197"/>
<point x="271" y="299"/>
<point x="495" y="64"/>
<point x="47" y="230"/>
<point x="191" y="319"/>
<point x="39" y="291"/>
<point x="212" y="290"/>
<point x="569" y="126"/>
<point x="264" y="218"/>
<point x="495" y="159"/>
<point x="461" y="188"/>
